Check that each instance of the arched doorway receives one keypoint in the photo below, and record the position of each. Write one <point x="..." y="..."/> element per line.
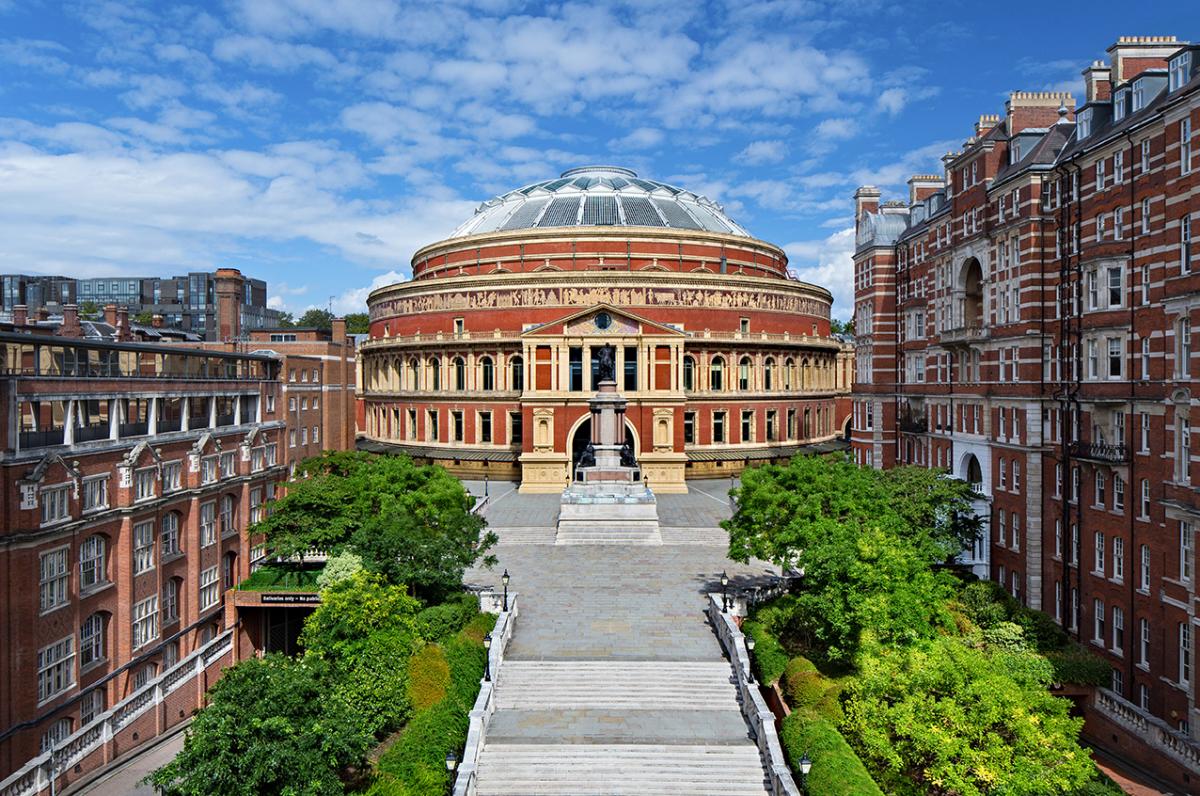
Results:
<point x="970" y="285"/>
<point x="972" y="473"/>
<point x="583" y="435"/>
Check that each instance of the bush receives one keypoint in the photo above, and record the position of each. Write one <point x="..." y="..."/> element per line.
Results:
<point x="1042" y="632"/>
<point x="428" y="677"/>
<point x="837" y="771"/>
<point x="439" y="621"/>
<point x="339" y="567"/>
<point x="802" y="684"/>
<point x="769" y="659"/>
<point x="1079" y="667"/>
<point x="374" y="685"/>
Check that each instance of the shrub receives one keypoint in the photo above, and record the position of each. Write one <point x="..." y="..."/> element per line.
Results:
<point x="374" y="684"/>
<point x="428" y="677"/>
<point x="1079" y="667"/>
<point x="837" y="771"/>
<point x="439" y="621"/>
<point x="1042" y="632"/>
<point x="339" y="567"/>
<point x="769" y="659"/>
<point x="802" y="684"/>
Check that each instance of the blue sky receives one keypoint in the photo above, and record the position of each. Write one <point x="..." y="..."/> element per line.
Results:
<point x="318" y="143"/>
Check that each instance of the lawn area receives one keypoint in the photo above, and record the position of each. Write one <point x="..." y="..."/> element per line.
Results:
<point x="275" y="577"/>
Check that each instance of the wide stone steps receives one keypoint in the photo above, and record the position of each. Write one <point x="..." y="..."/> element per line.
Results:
<point x="620" y="770"/>
<point x="711" y="537"/>
<point x="524" y="534"/>
<point x="595" y="533"/>
<point x="615" y="685"/>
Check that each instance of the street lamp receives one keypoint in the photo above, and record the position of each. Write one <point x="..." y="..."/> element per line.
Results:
<point x="805" y="767"/>
<point x="487" y="658"/>
<point x="485" y="484"/>
<point x="724" y="592"/>
<point x="750" y="649"/>
<point x="451" y="761"/>
<point x="504" y="580"/>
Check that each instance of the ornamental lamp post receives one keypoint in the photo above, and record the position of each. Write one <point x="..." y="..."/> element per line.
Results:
<point x="504" y="580"/>
<point x="487" y="658"/>
<point x="451" y="761"/>
<point x="724" y="592"/>
<point x="750" y="649"/>
<point x="805" y="767"/>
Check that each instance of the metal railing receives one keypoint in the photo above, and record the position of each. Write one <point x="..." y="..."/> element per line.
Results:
<point x="1100" y="451"/>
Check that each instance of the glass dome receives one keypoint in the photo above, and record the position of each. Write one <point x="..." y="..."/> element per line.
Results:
<point x="599" y="196"/>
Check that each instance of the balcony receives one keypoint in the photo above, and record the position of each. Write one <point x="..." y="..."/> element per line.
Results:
<point x="964" y="334"/>
<point x="1100" y="452"/>
<point x="914" y="425"/>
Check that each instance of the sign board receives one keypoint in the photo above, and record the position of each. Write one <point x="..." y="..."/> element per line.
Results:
<point x="288" y="598"/>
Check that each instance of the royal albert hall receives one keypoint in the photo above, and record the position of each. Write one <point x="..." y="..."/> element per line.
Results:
<point x="486" y="359"/>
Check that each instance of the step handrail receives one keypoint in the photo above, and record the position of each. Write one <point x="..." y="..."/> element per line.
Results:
<point x="754" y="707"/>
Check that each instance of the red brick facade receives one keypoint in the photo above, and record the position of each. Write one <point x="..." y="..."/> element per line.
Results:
<point x="1025" y="322"/>
<point x="128" y="476"/>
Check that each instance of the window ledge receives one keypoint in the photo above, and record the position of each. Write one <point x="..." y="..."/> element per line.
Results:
<point x="168" y="558"/>
<point x="93" y="665"/>
<point x="94" y="589"/>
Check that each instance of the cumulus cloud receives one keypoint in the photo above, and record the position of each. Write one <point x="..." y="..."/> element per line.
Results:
<point x="828" y="262"/>
<point x="757" y="153"/>
<point x="641" y="138"/>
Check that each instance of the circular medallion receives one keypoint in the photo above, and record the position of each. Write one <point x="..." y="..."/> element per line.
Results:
<point x="603" y="320"/>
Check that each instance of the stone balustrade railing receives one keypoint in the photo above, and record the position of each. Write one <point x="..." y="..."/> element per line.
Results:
<point x="35" y="776"/>
<point x="1151" y="729"/>
<point x="754" y="707"/>
<point x="485" y="704"/>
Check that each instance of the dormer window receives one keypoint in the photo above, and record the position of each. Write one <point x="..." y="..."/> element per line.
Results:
<point x="1083" y="121"/>
<point x="1180" y="69"/>
<point x="1119" y="100"/>
<point x="1139" y="96"/>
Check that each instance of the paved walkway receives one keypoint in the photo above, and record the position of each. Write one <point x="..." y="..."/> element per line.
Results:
<point x="612" y="659"/>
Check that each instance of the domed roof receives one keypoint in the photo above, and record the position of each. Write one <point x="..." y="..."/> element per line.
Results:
<point x="599" y="196"/>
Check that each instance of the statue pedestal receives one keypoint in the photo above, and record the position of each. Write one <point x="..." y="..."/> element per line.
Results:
<point x="608" y="503"/>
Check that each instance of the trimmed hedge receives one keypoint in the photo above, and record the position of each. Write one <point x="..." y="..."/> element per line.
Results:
<point x="807" y="689"/>
<point x="836" y="770"/>
<point x="769" y="658"/>
<point x="1080" y="667"/>
<point x="416" y="763"/>
<point x="438" y="621"/>
<point x="428" y="677"/>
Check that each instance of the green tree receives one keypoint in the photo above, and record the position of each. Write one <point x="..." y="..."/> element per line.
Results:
<point x="89" y="310"/>
<point x="947" y="717"/>
<point x="316" y="319"/>
<point x="358" y="323"/>
<point x="272" y="726"/>
<point x="286" y="320"/>
<point x="411" y="524"/>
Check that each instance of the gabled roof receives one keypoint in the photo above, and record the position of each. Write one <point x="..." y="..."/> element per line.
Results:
<point x="558" y="327"/>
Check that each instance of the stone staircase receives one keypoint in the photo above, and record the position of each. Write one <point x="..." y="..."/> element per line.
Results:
<point x="715" y="536"/>
<point x="619" y="770"/>
<point x="615" y="685"/>
<point x="597" y="533"/>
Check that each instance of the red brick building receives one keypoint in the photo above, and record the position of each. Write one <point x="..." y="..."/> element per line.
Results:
<point x="485" y="360"/>
<point x="128" y="473"/>
<point x="1024" y="321"/>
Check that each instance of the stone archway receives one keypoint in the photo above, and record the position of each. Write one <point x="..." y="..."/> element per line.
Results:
<point x="581" y="435"/>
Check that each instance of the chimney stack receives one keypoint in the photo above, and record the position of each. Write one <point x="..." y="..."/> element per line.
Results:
<point x="70" y="323"/>
<point x="229" y="303"/>
<point x="1097" y="82"/>
<point x="156" y="321"/>
<point x="339" y="330"/>
<point x="986" y="122"/>
<point x="1039" y="109"/>
<point x="20" y="315"/>
<point x="1132" y="55"/>
<point x="866" y="200"/>
<point x="123" y="323"/>
<point x="110" y="315"/>
<point x="923" y="186"/>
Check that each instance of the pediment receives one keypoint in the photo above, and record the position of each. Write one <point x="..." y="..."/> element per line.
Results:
<point x="588" y="322"/>
<point x="206" y="444"/>
<point x="54" y="468"/>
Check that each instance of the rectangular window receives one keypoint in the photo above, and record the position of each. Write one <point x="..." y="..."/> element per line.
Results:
<point x="1185" y="245"/>
<point x="54" y="579"/>
<point x="1016" y="531"/>
<point x="1098" y="622"/>
<point x="91" y="706"/>
<point x="55" y="507"/>
<point x="1118" y="562"/>
<point x="1118" y="629"/>
<point x="1185" y="653"/>
<point x="1185" y="145"/>
<point x="1002" y="529"/>
<point x="208" y="469"/>
<point x="485" y="427"/>
<point x="170" y="602"/>
<point x="1098" y="567"/>
<point x="1116" y="287"/>
<point x="228" y="465"/>
<point x="1003" y="473"/>
<point x="1145" y="426"/>
<point x="1186" y="545"/>
<point x="456" y="418"/>
<point x="170" y="534"/>
<point x="514" y="428"/>
<point x="1179" y="71"/>
<point x="689" y="428"/>
<point x="1144" y="642"/>
<point x="718" y="427"/>
<point x="748" y="425"/>
<point x="95" y="493"/>
<point x="1118" y="492"/>
<point x="143" y="547"/>
<point x="1146" y="222"/>
<point x="172" y="476"/>
<point x="56" y="668"/>
<point x="208" y="524"/>
<point x="210" y="589"/>
<point x="1101" y="484"/>
<point x="1145" y="358"/>
<point x="144" y="483"/>
<point x="145" y="621"/>
<point x="431" y="426"/>
<point x="1114" y="357"/>
<point x="1144" y="568"/>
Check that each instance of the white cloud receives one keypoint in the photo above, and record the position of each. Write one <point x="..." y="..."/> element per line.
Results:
<point x="829" y="263"/>
<point x="759" y="152"/>
<point x="892" y="101"/>
<point x="640" y="138"/>
<point x="263" y="52"/>
<point x="355" y="299"/>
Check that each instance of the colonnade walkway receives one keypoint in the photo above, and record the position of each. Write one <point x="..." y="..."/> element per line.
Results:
<point x="613" y="682"/>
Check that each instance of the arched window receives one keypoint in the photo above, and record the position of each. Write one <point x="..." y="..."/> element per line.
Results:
<point x="170" y="600"/>
<point x="93" y="566"/>
<point x="769" y="374"/>
<point x="804" y="376"/>
<point x="516" y="367"/>
<point x="716" y="374"/>
<point x="170" y="534"/>
<point x="91" y="640"/>
<point x="744" y="373"/>
<point x="460" y="374"/>
<point x="689" y="373"/>
<point x="228" y="514"/>
<point x="807" y="423"/>
<point x="788" y="366"/>
<point x="488" y="372"/>
<point x="414" y="375"/>
<point x="435" y="375"/>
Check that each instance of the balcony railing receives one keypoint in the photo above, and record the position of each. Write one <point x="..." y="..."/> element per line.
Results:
<point x="964" y="334"/>
<point x="1100" y="451"/>
<point x="914" y="425"/>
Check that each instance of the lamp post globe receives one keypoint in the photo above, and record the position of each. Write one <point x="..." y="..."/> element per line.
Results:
<point x="504" y="580"/>
<point x="451" y="761"/>
<point x="805" y="767"/>
<point x="724" y="592"/>
<point x="487" y="658"/>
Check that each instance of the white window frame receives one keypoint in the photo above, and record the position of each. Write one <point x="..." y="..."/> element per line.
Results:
<point x="144" y="537"/>
<point x="93" y="563"/>
<point x="95" y="493"/>
<point x="210" y="588"/>
<point x="145" y="622"/>
<point x="56" y="669"/>
<point x="55" y="503"/>
<point x="54" y="578"/>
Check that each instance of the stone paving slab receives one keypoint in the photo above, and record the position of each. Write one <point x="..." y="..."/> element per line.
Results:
<point x="672" y="727"/>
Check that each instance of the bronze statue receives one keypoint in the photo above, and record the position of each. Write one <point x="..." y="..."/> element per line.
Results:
<point x="606" y="363"/>
<point x="627" y="459"/>
<point x="587" y="457"/>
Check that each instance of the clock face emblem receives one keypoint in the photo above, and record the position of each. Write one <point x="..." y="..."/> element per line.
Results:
<point x="603" y="320"/>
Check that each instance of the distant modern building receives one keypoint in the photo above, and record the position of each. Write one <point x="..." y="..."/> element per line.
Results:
<point x="1025" y="320"/>
<point x="184" y="302"/>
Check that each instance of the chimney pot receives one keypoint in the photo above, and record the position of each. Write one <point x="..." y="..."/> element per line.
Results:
<point x="20" y="315"/>
<point x="110" y="314"/>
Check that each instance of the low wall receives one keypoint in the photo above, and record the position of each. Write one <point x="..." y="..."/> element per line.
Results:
<point x="161" y="704"/>
<point x="754" y="707"/>
<point x="485" y="704"/>
<point x="1129" y="733"/>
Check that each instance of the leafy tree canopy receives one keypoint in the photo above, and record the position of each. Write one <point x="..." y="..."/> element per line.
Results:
<point x="411" y="524"/>
<point x="89" y="310"/>
<point x="272" y="726"/>
<point x="286" y="320"/>
<point x="316" y="319"/>
<point x="358" y="323"/>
